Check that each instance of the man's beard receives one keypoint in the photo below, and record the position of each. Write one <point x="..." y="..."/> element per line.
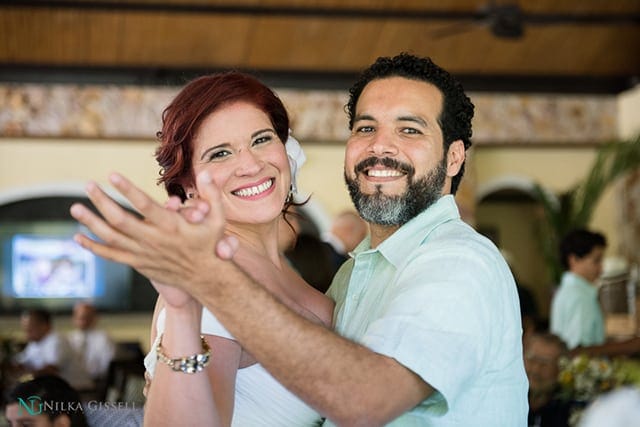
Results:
<point x="382" y="209"/>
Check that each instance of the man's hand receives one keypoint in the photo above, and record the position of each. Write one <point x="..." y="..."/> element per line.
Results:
<point x="167" y="247"/>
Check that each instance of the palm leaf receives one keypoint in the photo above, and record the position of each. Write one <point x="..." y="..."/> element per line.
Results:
<point x="574" y="208"/>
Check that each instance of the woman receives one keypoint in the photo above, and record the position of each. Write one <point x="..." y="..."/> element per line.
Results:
<point x="234" y="128"/>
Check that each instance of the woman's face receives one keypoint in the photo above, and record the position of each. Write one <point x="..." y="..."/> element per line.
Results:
<point x="240" y="149"/>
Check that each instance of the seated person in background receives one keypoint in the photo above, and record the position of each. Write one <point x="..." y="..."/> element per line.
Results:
<point x="576" y="315"/>
<point x="92" y="345"/>
<point x="542" y="352"/>
<point x="23" y="409"/>
<point x="49" y="353"/>
<point x="300" y="243"/>
<point x="347" y="231"/>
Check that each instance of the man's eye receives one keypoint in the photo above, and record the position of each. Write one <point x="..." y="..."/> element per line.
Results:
<point x="364" y="129"/>
<point x="411" y="131"/>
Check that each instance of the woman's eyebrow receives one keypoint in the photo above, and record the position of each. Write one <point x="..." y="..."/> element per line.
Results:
<point x="215" y="147"/>
<point x="258" y="132"/>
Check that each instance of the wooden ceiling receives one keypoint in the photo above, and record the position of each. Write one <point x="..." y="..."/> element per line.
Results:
<point x="583" y="42"/>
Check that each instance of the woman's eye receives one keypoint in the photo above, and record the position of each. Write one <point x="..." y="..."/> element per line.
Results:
<point x="218" y="155"/>
<point x="262" y="139"/>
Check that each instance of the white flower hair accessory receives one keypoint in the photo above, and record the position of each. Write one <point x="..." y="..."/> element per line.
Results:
<point x="296" y="159"/>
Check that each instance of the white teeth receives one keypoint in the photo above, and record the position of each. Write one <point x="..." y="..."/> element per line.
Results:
<point x="383" y="173"/>
<point x="253" y="191"/>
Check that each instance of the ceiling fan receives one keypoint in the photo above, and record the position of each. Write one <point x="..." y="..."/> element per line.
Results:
<point x="505" y="21"/>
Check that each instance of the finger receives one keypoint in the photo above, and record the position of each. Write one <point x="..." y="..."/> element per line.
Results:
<point x="151" y="210"/>
<point x="209" y="193"/>
<point x="117" y="217"/>
<point x="103" y="250"/>
<point x="173" y="203"/>
<point x="100" y="228"/>
<point x="227" y="247"/>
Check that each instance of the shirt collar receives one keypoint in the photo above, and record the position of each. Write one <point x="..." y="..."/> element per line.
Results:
<point x="397" y="247"/>
<point x="581" y="282"/>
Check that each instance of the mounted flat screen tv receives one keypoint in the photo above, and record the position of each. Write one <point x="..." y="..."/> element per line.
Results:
<point x="43" y="267"/>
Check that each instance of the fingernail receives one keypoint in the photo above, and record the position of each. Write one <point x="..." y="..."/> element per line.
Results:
<point x="115" y="178"/>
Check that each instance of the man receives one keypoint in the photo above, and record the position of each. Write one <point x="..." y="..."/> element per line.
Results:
<point x="47" y="352"/>
<point x="92" y="345"/>
<point x="542" y="352"/>
<point x="428" y="307"/>
<point x="576" y="315"/>
<point x="45" y="401"/>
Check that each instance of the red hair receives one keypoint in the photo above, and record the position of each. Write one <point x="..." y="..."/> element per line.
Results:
<point x="195" y="102"/>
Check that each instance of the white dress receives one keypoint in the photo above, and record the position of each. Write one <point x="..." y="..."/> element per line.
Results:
<point x="260" y="400"/>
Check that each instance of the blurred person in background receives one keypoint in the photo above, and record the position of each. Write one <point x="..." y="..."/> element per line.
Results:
<point x="347" y="231"/>
<point x="48" y="352"/>
<point x="92" y="345"/>
<point x="576" y="315"/>
<point x="542" y="352"/>
<point x="26" y="404"/>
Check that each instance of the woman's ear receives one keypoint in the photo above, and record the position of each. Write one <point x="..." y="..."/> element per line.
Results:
<point x="455" y="157"/>
<point x="191" y="192"/>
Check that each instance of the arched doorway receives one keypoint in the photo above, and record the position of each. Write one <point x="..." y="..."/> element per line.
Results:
<point x="509" y="214"/>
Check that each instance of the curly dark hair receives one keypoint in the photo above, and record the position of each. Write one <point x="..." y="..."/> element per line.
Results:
<point x="457" y="109"/>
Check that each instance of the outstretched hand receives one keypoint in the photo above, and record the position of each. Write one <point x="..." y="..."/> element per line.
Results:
<point x="168" y="246"/>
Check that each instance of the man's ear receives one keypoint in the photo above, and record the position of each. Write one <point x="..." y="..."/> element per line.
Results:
<point x="455" y="157"/>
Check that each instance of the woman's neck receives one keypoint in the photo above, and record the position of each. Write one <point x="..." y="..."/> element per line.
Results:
<point x="261" y="239"/>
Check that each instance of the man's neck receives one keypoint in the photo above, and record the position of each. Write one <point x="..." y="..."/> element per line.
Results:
<point x="379" y="233"/>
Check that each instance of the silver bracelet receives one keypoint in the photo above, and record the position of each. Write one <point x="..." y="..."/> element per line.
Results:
<point x="189" y="364"/>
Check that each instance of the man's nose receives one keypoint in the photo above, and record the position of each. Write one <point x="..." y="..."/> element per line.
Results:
<point x="384" y="143"/>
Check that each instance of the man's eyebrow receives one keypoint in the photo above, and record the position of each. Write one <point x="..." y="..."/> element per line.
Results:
<point x="363" y="117"/>
<point x="415" y="119"/>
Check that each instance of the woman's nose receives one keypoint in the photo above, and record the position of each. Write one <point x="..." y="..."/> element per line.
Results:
<point x="248" y="163"/>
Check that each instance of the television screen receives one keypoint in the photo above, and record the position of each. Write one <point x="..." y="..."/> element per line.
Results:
<point x="52" y="267"/>
<point x="42" y="266"/>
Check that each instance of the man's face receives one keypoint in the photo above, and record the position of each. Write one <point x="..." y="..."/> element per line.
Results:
<point x="395" y="166"/>
<point x="589" y="266"/>
<point x="19" y="417"/>
<point x="83" y="316"/>
<point x="33" y="328"/>
<point x="541" y="364"/>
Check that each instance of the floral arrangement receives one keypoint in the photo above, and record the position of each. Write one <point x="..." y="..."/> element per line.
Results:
<point x="583" y="378"/>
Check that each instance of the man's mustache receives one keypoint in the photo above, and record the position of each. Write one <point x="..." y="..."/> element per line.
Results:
<point x="386" y="162"/>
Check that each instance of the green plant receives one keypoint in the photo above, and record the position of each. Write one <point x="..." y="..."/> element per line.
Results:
<point x="574" y="208"/>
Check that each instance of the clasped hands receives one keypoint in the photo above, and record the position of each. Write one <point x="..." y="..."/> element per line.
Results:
<point x="171" y="245"/>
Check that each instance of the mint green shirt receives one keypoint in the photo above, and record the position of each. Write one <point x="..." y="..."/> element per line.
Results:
<point x="439" y="298"/>
<point x="576" y="316"/>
